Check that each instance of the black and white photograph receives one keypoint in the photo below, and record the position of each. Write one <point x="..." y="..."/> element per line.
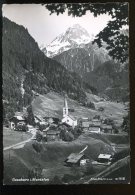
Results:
<point x="65" y="93"/>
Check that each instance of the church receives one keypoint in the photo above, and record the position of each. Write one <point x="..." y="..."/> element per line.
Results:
<point x="68" y="119"/>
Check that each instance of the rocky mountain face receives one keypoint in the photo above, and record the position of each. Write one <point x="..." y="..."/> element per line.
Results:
<point x="26" y="70"/>
<point x="83" y="60"/>
<point x="75" y="51"/>
<point x="74" y="37"/>
<point x="95" y="67"/>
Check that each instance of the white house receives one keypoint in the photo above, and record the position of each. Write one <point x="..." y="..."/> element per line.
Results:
<point x="70" y="120"/>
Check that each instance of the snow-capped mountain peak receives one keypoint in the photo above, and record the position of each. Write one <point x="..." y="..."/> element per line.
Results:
<point x="74" y="37"/>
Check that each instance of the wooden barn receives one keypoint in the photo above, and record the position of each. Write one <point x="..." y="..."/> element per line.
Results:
<point x="74" y="159"/>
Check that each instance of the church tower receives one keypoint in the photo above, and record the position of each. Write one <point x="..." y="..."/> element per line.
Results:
<point x="65" y="108"/>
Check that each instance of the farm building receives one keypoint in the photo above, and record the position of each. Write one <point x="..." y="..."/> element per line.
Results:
<point x="106" y="128"/>
<point x="85" y="125"/>
<point x="94" y="129"/>
<point x="74" y="159"/>
<point x="16" y="120"/>
<point x="53" y="135"/>
<point x="95" y="126"/>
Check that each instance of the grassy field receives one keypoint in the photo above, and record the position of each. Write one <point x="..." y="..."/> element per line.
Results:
<point x="51" y="158"/>
<point x="52" y="103"/>
<point x="14" y="137"/>
<point x="17" y="162"/>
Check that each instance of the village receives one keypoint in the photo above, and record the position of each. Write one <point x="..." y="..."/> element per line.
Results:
<point x="51" y="127"/>
<point x="68" y="128"/>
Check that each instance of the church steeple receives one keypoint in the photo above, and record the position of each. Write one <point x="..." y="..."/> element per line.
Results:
<point x="65" y="108"/>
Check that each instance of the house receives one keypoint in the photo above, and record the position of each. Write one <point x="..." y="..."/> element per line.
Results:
<point x="53" y="135"/>
<point x="103" y="159"/>
<point x="70" y="120"/>
<point x="94" y="129"/>
<point x="85" y="125"/>
<point x="16" y="120"/>
<point x="95" y="126"/>
<point x="49" y="120"/>
<point x="75" y="159"/>
<point x="106" y="128"/>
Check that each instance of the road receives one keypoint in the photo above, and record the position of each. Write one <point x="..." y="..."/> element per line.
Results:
<point x="20" y="143"/>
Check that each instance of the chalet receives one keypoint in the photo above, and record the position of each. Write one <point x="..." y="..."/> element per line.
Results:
<point x="49" y="120"/>
<point x="53" y="135"/>
<point x="77" y="158"/>
<point x="70" y="120"/>
<point x="74" y="159"/>
<point x="40" y="120"/>
<point x="106" y="128"/>
<point x="16" y="120"/>
<point x="85" y="125"/>
<point x="95" y="126"/>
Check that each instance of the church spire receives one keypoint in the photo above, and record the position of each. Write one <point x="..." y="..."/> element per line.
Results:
<point x="65" y="108"/>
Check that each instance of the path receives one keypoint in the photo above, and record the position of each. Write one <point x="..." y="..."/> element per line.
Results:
<point x="21" y="143"/>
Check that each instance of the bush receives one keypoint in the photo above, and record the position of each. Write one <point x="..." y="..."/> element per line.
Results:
<point x="39" y="135"/>
<point x="101" y="109"/>
<point x="37" y="147"/>
<point x="91" y="105"/>
<point x="96" y="117"/>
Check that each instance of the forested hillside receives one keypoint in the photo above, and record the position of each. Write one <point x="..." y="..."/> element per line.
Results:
<point x="111" y="79"/>
<point x="26" y="68"/>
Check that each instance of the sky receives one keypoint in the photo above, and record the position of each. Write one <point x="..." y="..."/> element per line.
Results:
<point x="44" y="28"/>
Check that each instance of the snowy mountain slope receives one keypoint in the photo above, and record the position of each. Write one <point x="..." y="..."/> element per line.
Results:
<point x="74" y="37"/>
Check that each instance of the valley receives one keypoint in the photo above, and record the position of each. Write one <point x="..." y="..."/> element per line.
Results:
<point x="66" y="100"/>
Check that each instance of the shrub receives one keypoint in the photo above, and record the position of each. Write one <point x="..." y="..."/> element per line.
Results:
<point x="101" y="109"/>
<point x="91" y="105"/>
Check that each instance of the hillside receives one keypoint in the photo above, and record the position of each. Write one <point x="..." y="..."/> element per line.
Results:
<point x="111" y="79"/>
<point x="52" y="104"/>
<point x="83" y="59"/>
<point x="27" y="69"/>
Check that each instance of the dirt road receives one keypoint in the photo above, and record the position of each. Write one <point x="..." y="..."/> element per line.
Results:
<point x="20" y="143"/>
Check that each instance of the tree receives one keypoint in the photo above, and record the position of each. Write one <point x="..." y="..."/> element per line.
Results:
<point x="112" y="34"/>
<point x="30" y="118"/>
<point x="126" y="123"/>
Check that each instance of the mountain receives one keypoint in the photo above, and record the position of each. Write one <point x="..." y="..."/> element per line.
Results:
<point x="26" y="70"/>
<point x="83" y="60"/>
<point x="74" y="37"/>
<point x="110" y="79"/>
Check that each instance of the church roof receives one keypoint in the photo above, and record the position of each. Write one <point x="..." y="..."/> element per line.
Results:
<point x="72" y="117"/>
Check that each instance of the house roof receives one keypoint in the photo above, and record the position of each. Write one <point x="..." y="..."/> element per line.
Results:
<point x="20" y="118"/>
<point x="85" y="124"/>
<point x="52" y="132"/>
<point x="104" y="126"/>
<point x="74" y="157"/>
<point x="95" y="120"/>
<point x="72" y="117"/>
<point x="106" y="156"/>
<point x="84" y="119"/>
<point x="94" y="128"/>
<point x="96" y="123"/>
